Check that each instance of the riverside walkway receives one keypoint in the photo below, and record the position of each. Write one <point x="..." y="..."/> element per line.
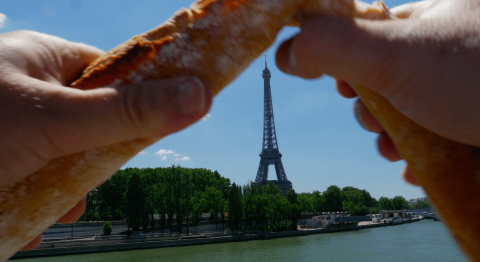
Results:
<point x="124" y="243"/>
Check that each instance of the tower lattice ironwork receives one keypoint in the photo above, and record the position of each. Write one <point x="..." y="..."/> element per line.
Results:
<point x="270" y="154"/>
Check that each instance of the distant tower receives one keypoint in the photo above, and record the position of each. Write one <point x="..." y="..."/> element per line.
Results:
<point x="270" y="154"/>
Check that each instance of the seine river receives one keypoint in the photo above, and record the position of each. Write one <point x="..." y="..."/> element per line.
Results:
<point x="420" y="241"/>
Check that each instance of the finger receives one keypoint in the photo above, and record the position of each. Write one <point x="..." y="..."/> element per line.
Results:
<point x="34" y="243"/>
<point x="365" y="118"/>
<point x="283" y="57"/>
<point x="387" y="149"/>
<point x="51" y="58"/>
<point x="78" y="120"/>
<point x="344" y="89"/>
<point x="72" y="58"/>
<point x="359" y="51"/>
<point x="408" y="176"/>
<point x="75" y="213"/>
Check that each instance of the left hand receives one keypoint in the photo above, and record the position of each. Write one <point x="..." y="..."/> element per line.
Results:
<point x="42" y="118"/>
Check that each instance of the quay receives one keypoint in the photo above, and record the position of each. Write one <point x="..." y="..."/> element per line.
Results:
<point x="124" y="243"/>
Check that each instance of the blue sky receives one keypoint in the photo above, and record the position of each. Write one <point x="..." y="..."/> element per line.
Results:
<point x="320" y="140"/>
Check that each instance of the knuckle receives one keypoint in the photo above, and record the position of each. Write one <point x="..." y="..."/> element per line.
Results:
<point x="135" y="108"/>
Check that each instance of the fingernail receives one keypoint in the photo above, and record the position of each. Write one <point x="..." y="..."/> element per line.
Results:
<point x="358" y="116"/>
<point x="191" y="97"/>
<point x="407" y="175"/>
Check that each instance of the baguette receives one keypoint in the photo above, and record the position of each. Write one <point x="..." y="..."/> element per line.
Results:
<point x="214" y="40"/>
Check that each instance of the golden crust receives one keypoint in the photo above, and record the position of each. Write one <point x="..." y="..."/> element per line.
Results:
<point x="236" y="31"/>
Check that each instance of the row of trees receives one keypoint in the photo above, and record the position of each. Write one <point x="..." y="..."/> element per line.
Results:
<point x="358" y="202"/>
<point x="180" y="194"/>
<point x="176" y="194"/>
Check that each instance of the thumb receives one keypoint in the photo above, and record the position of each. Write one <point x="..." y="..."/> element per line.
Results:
<point x="84" y="119"/>
<point x="76" y="57"/>
<point x="371" y="53"/>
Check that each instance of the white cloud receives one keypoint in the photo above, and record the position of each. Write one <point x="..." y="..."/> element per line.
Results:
<point x="185" y="158"/>
<point x="177" y="154"/>
<point x="206" y="116"/>
<point x="163" y="152"/>
<point x="143" y="153"/>
<point x="2" y="19"/>
<point x="164" y="158"/>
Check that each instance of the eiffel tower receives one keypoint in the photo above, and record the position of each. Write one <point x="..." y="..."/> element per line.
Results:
<point x="270" y="154"/>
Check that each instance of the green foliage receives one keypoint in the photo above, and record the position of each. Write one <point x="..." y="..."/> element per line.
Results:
<point x="107" y="228"/>
<point x="110" y="196"/>
<point x="292" y="196"/>
<point x="332" y="199"/>
<point x="305" y="201"/>
<point x="235" y="206"/>
<point x="421" y="205"/>
<point x="179" y="195"/>
<point x="135" y="201"/>
<point x="399" y="203"/>
<point x="396" y="203"/>
<point x="318" y="202"/>
<point x="384" y="203"/>
<point x="355" y="201"/>
<point x="216" y="203"/>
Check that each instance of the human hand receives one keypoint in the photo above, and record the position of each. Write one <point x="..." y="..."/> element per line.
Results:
<point x="425" y="64"/>
<point x="43" y="119"/>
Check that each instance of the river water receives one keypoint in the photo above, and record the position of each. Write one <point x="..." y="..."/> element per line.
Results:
<point x="421" y="241"/>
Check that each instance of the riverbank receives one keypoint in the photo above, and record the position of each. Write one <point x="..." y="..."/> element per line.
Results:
<point x="121" y="243"/>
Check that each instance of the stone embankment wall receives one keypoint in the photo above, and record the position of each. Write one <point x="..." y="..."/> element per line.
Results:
<point x="108" y="244"/>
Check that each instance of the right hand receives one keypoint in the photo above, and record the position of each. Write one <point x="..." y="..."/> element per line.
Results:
<point x="427" y="64"/>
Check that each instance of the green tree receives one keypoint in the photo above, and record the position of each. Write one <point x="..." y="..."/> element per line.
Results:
<point x="188" y="197"/>
<point x="235" y="207"/>
<point x="248" y="205"/>
<point x="384" y="203"/>
<point x="107" y="228"/>
<point x="135" y="201"/>
<point x="223" y="184"/>
<point x="292" y="196"/>
<point x="200" y="203"/>
<point x="318" y="202"/>
<point x="368" y="200"/>
<point x="294" y="208"/>
<point x="91" y="205"/>
<point x="161" y="201"/>
<point x="216" y="204"/>
<point x="305" y="204"/>
<point x="169" y="198"/>
<point x="421" y="205"/>
<point x="398" y="203"/>
<point x="333" y="201"/>
<point x="353" y="200"/>
<point x="110" y="195"/>
<point x="178" y="197"/>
